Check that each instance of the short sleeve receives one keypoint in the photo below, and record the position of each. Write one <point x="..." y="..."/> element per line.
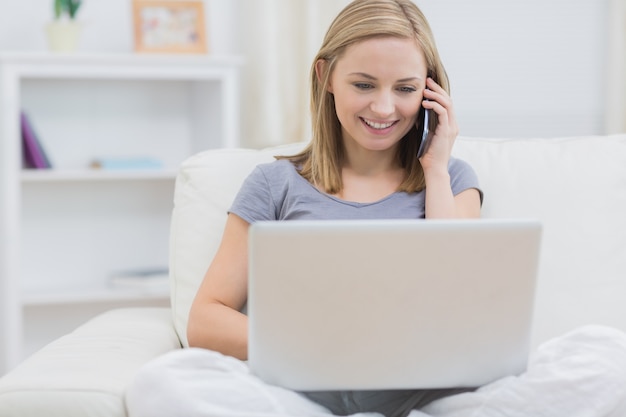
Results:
<point x="463" y="177"/>
<point x="254" y="202"/>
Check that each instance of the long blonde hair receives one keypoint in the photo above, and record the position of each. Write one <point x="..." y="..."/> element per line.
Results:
<point x="322" y="159"/>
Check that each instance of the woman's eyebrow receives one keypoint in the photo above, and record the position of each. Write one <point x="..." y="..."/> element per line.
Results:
<point x="364" y="75"/>
<point x="371" y="77"/>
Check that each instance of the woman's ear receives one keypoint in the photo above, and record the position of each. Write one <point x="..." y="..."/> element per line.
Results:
<point x="321" y="66"/>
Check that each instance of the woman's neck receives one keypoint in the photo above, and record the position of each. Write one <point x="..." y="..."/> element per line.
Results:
<point x="370" y="176"/>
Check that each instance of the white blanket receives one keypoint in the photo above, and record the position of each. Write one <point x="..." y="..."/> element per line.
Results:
<point x="581" y="374"/>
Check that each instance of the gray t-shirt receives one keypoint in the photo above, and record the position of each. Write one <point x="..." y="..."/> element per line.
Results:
<point x="276" y="191"/>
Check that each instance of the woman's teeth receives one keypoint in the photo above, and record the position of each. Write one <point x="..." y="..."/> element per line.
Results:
<point x="376" y="125"/>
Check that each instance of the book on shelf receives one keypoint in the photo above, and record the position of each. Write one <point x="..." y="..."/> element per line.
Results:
<point x="141" y="278"/>
<point x="34" y="154"/>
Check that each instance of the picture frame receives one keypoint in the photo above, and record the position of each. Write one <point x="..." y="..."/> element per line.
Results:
<point x="169" y="26"/>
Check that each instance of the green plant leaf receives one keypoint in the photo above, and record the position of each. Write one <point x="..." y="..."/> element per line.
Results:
<point x="58" y="8"/>
<point x="73" y="6"/>
<point x="66" y="7"/>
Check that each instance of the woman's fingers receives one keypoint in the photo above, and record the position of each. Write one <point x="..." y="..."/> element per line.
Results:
<point x="436" y="99"/>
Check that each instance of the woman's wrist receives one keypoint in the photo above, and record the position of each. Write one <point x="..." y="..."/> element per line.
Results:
<point x="436" y="173"/>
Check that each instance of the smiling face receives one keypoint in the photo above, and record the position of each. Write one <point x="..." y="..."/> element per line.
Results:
<point x="377" y="86"/>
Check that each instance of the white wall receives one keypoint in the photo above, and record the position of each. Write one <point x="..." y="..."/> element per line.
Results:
<point x="524" y="68"/>
<point x="107" y="25"/>
<point x="518" y="68"/>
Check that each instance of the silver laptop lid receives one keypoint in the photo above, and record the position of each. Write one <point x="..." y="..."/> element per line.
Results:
<point x="390" y="304"/>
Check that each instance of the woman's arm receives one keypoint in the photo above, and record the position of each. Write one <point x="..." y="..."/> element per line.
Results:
<point x="440" y="202"/>
<point x="215" y="321"/>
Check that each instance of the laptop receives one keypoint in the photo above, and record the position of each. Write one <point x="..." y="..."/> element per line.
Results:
<point x="390" y="304"/>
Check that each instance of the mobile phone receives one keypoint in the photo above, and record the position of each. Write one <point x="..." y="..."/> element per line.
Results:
<point x="425" y="137"/>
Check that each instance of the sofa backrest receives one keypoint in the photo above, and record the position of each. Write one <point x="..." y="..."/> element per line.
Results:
<point x="575" y="186"/>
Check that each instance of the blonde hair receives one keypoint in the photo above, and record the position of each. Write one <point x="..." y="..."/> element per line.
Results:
<point x="320" y="163"/>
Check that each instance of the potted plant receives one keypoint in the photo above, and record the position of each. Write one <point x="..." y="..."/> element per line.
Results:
<point x="63" y="32"/>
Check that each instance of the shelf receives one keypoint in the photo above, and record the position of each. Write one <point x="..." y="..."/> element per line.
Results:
<point x="121" y="66"/>
<point x="63" y="230"/>
<point x="52" y="175"/>
<point x="102" y="294"/>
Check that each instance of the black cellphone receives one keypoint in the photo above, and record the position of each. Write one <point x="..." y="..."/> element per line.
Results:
<point x="423" y="128"/>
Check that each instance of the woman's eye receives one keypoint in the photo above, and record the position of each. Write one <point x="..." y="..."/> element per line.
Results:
<point x="408" y="89"/>
<point x="363" y="86"/>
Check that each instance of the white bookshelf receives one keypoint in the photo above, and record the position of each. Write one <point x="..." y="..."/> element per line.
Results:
<point x="63" y="231"/>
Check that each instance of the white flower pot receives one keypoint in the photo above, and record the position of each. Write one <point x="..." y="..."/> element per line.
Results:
<point x="63" y="36"/>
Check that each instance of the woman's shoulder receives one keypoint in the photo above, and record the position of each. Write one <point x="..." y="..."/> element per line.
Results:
<point x="462" y="176"/>
<point x="278" y="174"/>
<point x="278" y="165"/>
<point x="262" y="194"/>
<point x="279" y="170"/>
<point x="459" y="166"/>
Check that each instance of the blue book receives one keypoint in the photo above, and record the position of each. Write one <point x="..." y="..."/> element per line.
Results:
<point x="130" y="163"/>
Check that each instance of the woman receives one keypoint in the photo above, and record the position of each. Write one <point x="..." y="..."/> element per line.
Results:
<point x="366" y="93"/>
<point x="378" y="65"/>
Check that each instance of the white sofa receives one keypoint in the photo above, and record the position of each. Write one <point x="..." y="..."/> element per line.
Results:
<point x="575" y="186"/>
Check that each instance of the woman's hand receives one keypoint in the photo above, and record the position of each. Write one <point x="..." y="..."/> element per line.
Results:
<point x="438" y="153"/>
<point x="440" y="202"/>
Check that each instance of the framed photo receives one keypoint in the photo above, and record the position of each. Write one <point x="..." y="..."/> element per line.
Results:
<point x="169" y="26"/>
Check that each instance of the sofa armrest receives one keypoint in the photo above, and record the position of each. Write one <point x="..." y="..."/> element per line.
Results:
<point x="87" y="371"/>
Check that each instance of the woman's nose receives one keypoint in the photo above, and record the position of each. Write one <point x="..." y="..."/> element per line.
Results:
<point x="383" y="105"/>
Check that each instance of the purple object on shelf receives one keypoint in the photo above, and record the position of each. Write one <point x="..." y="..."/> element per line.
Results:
<point x="34" y="154"/>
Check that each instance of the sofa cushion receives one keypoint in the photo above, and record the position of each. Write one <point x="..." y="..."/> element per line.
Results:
<point x="577" y="187"/>
<point x="205" y="188"/>
<point x="85" y="373"/>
